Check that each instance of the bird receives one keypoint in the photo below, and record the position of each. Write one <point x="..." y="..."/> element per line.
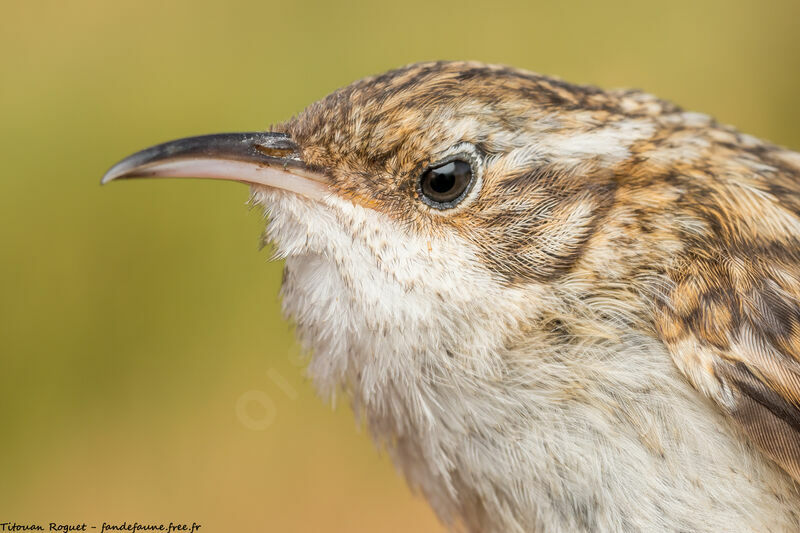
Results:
<point x="556" y="307"/>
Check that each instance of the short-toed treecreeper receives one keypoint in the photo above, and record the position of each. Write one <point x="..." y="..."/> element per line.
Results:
<point x="558" y="308"/>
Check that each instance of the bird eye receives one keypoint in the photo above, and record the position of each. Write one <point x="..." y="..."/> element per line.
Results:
<point x="444" y="185"/>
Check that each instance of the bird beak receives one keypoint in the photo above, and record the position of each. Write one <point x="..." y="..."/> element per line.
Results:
<point x="258" y="158"/>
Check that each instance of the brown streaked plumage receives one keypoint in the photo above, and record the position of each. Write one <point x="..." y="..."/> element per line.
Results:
<point x="599" y="334"/>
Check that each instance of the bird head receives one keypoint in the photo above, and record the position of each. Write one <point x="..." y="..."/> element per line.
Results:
<point x="497" y="266"/>
<point x="430" y="215"/>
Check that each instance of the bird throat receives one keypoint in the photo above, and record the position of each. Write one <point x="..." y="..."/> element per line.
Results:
<point x="510" y="408"/>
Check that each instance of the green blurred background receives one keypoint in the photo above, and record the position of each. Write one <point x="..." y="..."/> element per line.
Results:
<point x="145" y="371"/>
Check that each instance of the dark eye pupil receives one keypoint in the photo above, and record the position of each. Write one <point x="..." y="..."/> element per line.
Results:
<point x="443" y="180"/>
<point x="441" y="186"/>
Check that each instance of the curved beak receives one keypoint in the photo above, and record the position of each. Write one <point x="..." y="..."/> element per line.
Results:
<point x="257" y="158"/>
